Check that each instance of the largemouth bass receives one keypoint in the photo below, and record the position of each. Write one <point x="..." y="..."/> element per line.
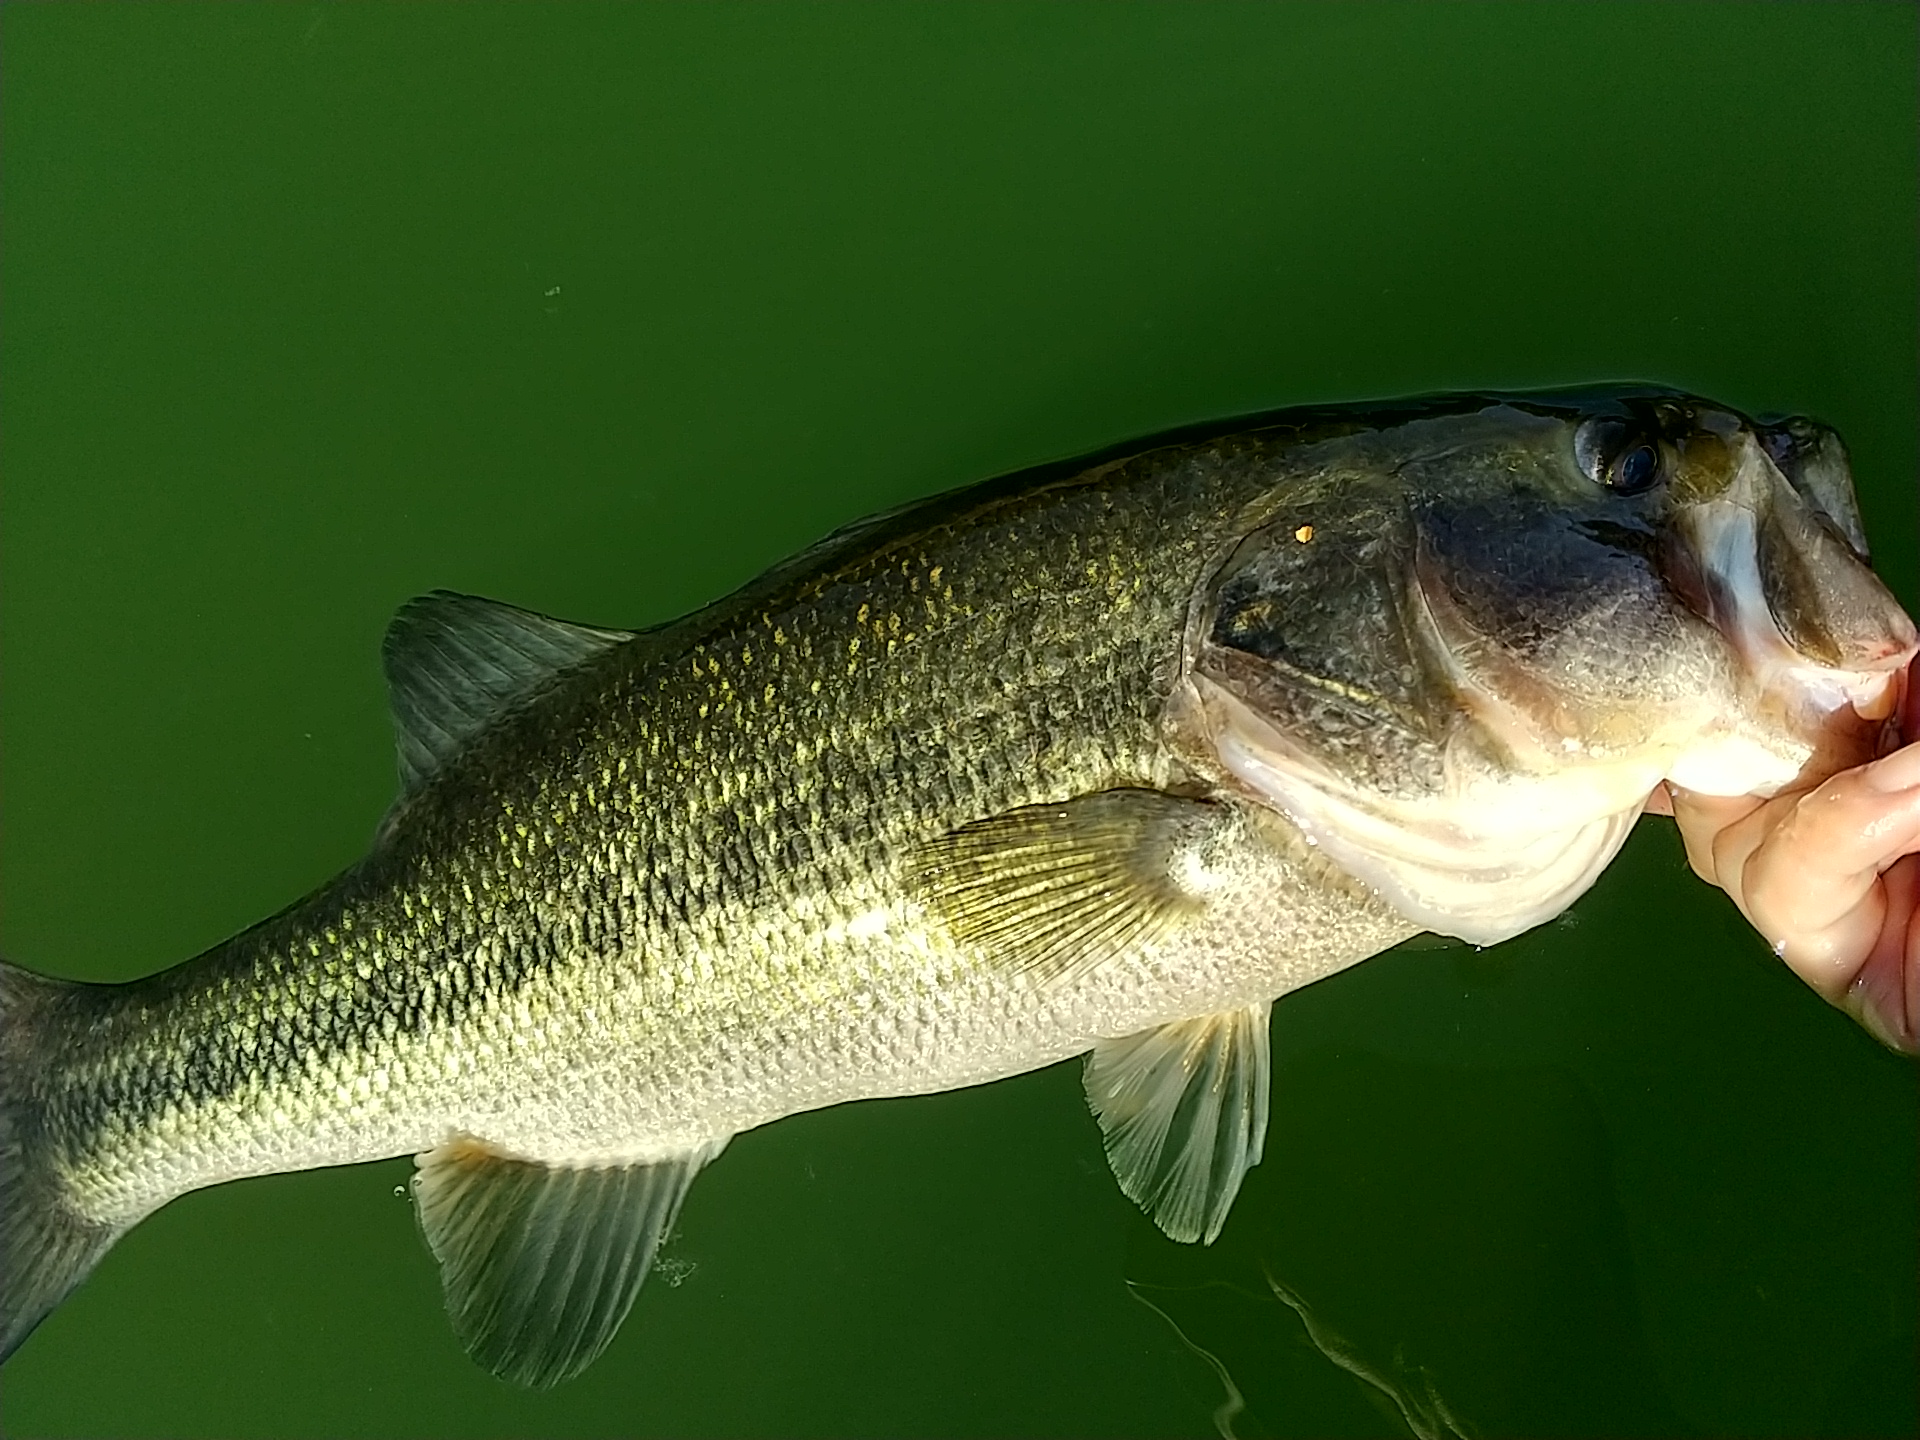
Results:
<point x="1100" y="758"/>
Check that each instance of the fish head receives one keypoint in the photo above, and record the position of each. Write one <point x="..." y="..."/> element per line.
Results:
<point x="1459" y="646"/>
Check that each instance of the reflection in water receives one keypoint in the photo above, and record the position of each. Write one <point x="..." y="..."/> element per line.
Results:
<point x="1460" y="1237"/>
<point x="1235" y="1403"/>
<point x="1420" y="1407"/>
<point x="1410" y="1404"/>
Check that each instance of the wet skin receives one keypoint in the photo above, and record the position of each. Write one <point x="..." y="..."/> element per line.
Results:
<point x="1829" y="873"/>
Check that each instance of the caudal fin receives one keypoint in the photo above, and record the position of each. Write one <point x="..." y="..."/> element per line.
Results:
<point x="45" y="1248"/>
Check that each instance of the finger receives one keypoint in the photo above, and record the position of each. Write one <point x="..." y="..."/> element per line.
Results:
<point x="1807" y="870"/>
<point x="1910" y="703"/>
<point x="1703" y="819"/>
<point x="1885" y="996"/>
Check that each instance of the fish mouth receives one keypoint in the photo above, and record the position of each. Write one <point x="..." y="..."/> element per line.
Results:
<point x="1820" y="643"/>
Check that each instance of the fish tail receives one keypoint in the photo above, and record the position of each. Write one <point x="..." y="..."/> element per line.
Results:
<point x="46" y="1247"/>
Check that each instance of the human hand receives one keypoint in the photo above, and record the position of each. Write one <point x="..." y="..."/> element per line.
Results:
<point x="1829" y="874"/>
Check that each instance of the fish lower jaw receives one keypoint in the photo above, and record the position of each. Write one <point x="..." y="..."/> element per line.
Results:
<point x="1821" y="695"/>
<point x="1873" y="695"/>
<point x="1804" y="723"/>
<point x="1483" y="866"/>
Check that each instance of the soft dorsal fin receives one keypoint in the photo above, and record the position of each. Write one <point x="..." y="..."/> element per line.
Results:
<point x="456" y="662"/>
<point x="1183" y="1110"/>
<point x="540" y="1263"/>
<point x="1056" y="890"/>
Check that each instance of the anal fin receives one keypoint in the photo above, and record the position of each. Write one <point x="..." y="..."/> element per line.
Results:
<point x="540" y="1262"/>
<point x="1183" y="1111"/>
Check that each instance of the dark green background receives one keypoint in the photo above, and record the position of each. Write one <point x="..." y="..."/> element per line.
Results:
<point x="602" y="309"/>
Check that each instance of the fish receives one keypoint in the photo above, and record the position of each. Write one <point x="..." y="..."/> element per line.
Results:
<point x="1097" y="759"/>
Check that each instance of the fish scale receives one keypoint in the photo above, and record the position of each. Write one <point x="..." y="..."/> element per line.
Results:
<point x="401" y="934"/>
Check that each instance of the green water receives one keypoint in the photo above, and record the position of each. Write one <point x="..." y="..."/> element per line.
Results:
<point x="601" y="310"/>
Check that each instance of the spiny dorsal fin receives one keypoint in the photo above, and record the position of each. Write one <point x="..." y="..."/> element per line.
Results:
<point x="540" y="1263"/>
<point x="456" y="662"/>
<point x="1054" y="890"/>
<point x="1183" y="1110"/>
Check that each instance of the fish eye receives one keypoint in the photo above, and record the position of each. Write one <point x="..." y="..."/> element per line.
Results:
<point x="1615" y="453"/>
<point x="1636" y="470"/>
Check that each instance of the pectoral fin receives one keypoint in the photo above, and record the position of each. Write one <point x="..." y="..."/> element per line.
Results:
<point x="1055" y="889"/>
<point x="1183" y="1111"/>
<point x="540" y="1263"/>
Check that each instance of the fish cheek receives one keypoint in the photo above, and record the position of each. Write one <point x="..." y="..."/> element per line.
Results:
<point x="1551" y="611"/>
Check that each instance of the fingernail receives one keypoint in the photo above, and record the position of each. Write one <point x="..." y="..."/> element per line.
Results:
<point x="1899" y="771"/>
